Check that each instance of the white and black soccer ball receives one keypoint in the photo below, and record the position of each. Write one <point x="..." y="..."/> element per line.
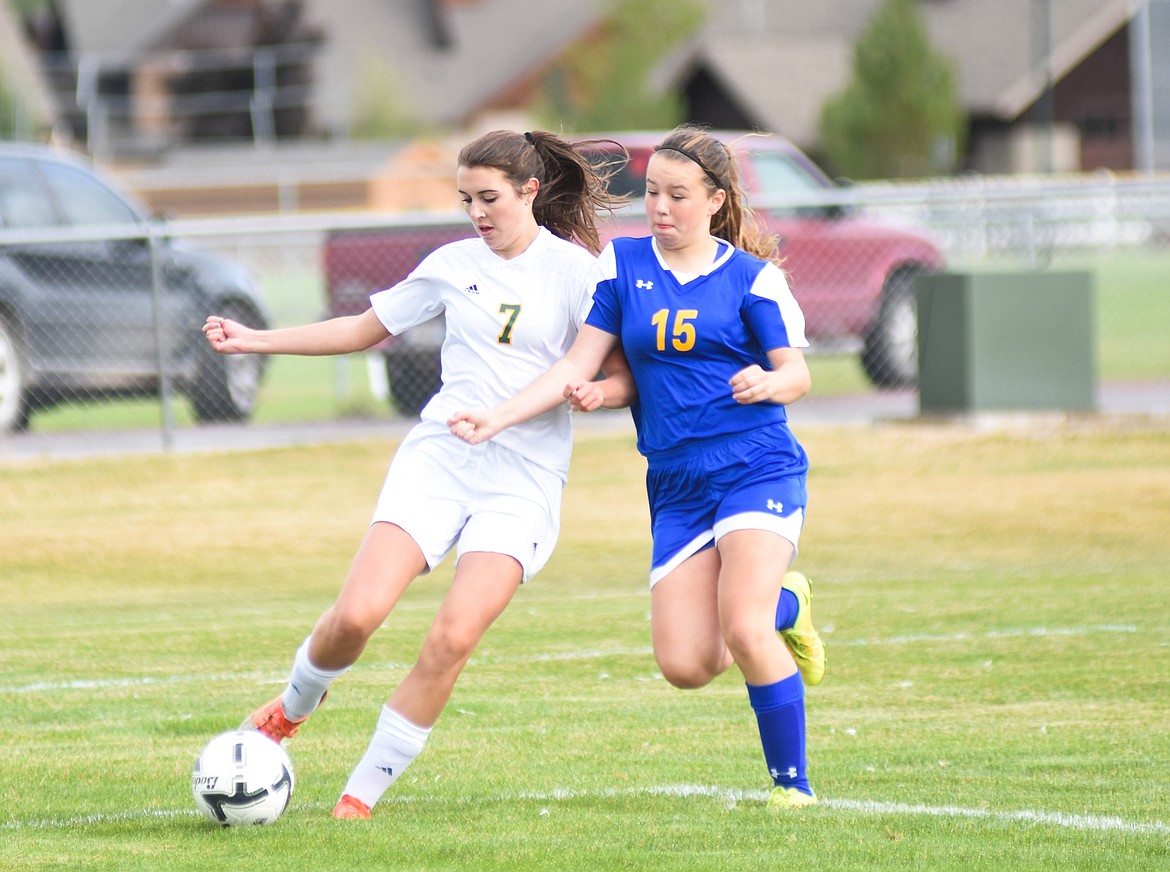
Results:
<point x="242" y="778"/>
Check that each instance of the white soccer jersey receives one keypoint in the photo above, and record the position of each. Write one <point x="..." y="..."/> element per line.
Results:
<point x="507" y="322"/>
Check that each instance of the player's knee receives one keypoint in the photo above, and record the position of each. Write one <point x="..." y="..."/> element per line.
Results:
<point x="686" y="673"/>
<point x="348" y="627"/>
<point x="744" y="635"/>
<point x="451" y="643"/>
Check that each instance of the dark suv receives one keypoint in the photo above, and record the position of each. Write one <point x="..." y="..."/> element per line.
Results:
<point x="78" y="302"/>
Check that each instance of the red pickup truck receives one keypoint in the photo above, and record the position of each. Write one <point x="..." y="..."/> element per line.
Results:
<point x="852" y="275"/>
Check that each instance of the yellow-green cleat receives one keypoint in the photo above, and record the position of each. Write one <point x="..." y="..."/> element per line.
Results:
<point x="789" y="797"/>
<point x="802" y="638"/>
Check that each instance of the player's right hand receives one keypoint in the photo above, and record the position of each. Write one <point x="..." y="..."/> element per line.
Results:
<point x="225" y="336"/>
<point x="472" y="426"/>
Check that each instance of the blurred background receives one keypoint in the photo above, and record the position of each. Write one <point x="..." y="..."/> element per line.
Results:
<point x="278" y="160"/>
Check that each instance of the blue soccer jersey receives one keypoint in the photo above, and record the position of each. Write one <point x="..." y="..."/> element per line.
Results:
<point x="684" y="342"/>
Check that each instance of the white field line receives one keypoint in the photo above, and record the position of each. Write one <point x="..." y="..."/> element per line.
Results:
<point x="1021" y="632"/>
<point x="274" y="678"/>
<point x="490" y="659"/>
<point x="1059" y="820"/>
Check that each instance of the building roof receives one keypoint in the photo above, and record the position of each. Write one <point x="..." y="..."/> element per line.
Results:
<point x="122" y="27"/>
<point x="451" y="67"/>
<point x="783" y="59"/>
<point x="779" y="59"/>
<point x="451" y="57"/>
<point x="999" y="45"/>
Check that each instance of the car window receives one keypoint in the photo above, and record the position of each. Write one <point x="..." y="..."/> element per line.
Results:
<point x="85" y="200"/>
<point x="24" y="202"/>
<point x="779" y="176"/>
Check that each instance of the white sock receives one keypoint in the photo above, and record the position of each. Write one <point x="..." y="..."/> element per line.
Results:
<point x="306" y="685"/>
<point x="396" y="742"/>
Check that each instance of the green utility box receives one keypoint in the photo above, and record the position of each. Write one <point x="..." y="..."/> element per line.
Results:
<point x="1006" y="341"/>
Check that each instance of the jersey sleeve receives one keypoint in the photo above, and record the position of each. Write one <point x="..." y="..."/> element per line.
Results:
<point x="772" y="312"/>
<point x="415" y="299"/>
<point x="606" y="313"/>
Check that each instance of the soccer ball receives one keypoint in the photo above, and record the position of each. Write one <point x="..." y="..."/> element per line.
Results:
<point x="241" y="778"/>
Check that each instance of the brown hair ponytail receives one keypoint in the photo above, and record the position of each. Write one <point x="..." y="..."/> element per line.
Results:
<point x="572" y="191"/>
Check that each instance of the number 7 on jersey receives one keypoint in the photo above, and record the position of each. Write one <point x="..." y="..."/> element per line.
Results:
<point x="512" y="310"/>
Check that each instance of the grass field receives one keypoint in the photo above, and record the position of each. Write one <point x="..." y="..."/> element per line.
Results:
<point x="994" y="605"/>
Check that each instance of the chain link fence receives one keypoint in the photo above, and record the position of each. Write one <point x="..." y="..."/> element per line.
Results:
<point x="100" y="322"/>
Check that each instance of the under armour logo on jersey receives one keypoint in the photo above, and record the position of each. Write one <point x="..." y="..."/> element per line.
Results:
<point x="641" y="283"/>
<point x="774" y="506"/>
<point x="471" y="289"/>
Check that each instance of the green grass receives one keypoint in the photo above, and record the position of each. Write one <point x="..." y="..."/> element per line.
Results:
<point x="1133" y="310"/>
<point x="295" y="389"/>
<point x="994" y="606"/>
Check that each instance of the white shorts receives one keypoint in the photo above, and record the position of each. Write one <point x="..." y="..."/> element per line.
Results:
<point x="442" y="491"/>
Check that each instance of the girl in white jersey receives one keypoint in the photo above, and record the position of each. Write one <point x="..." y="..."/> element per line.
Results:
<point x="514" y="299"/>
<point x="713" y="337"/>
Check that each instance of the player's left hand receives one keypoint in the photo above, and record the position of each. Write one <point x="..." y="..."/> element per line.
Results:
<point x="584" y="396"/>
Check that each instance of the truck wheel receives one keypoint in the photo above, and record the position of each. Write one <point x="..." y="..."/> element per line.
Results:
<point x="227" y="385"/>
<point x="14" y="407"/>
<point x="414" y="376"/>
<point x="890" y="353"/>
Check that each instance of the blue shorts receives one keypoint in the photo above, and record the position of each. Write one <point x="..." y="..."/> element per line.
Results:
<point x="698" y="493"/>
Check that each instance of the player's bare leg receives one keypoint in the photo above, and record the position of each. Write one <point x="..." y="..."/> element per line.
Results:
<point x="484" y="584"/>
<point x="387" y="561"/>
<point x="384" y="566"/>
<point x="684" y="621"/>
<point x="749" y="586"/>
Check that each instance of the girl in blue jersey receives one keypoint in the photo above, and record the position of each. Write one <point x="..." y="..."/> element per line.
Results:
<point x="713" y="337"/>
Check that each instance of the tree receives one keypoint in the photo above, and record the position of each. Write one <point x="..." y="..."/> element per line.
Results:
<point x="604" y="84"/>
<point x="7" y="111"/>
<point x="15" y="119"/>
<point x="900" y="115"/>
<point x="27" y="8"/>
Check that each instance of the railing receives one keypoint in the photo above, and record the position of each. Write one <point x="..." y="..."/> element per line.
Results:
<point x="93" y="88"/>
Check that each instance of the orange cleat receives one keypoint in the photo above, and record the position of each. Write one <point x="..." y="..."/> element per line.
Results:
<point x="270" y="720"/>
<point x="350" y="807"/>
